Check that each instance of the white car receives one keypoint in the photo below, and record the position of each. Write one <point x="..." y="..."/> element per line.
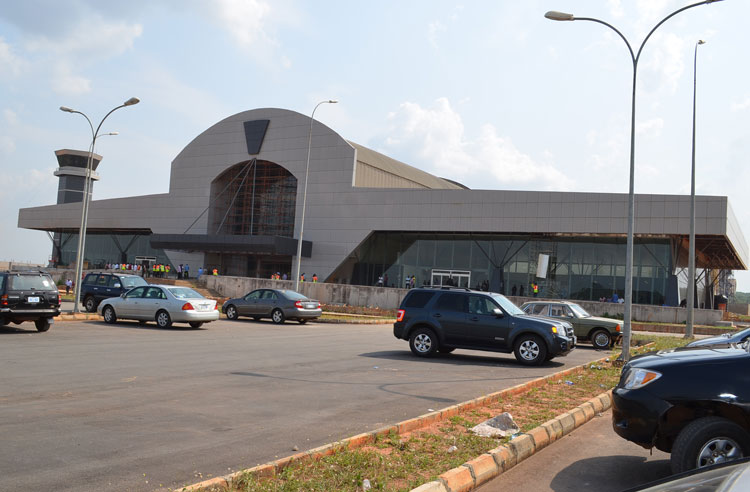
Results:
<point x="165" y="304"/>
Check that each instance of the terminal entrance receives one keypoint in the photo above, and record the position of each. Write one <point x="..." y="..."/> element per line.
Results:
<point x="455" y="278"/>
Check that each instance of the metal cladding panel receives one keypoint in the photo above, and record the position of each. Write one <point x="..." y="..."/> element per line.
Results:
<point x="255" y="132"/>
<point x="226" y="243"/>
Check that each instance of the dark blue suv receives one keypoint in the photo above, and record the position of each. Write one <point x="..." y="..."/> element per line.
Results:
<point x="99" y="286"/>
<point x="444" y="319"/>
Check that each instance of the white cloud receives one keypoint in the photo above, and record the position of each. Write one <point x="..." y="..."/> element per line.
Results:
<point x="94" y="38"/>
<point x="10" y="116"/>
<point x="741" y="106"/>
<point x="65" y="83"/>
<point x="615" y="8"/>
<point x="7" y="145"/>
<point x="433" y="28"/>
<point x="436" y="138"/>
<point x="665" y="58"/>
<point x="650" y="128"/>
<point x="10" y="64"/>
<point x="244" y="20"/>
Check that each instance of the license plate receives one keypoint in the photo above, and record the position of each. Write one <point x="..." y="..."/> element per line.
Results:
<point x="32" y="299"/>
<point x="311" y="306"/>
<point x="203" y="307"/>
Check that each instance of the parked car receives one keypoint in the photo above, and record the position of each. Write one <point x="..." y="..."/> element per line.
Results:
<point x="165" y="304"/>
<point x="732" y="476"/>
<point x="99" y="286"/>
<point x="444" y="319"/>
<point x="691" y="402"/>
<point x="601" y="332"/>
<point x="725" y="339"/>
<point x="28" y="296"/>
<point x="277" y="304"/>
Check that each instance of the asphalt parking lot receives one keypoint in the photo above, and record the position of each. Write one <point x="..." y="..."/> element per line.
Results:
<point x="89" y="406"/>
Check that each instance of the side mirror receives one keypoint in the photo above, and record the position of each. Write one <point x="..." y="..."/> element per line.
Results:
<point x="117" y="286"/>
<point x="498" y="312"/>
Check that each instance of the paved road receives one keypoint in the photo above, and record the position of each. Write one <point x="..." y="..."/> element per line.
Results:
<point x="88" y="406"/>
<point x="591" y="458"/>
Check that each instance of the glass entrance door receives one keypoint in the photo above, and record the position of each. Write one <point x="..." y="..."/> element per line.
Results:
<point x="455" y="278"/>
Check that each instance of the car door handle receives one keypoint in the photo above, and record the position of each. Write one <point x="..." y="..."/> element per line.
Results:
<point x="437" y="315"/>
<point x="475" y="318"/>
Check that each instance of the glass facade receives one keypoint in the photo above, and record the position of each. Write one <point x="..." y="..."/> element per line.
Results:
<point x="254" y="198"/>
<point x="109" y="248"/>
<point x="577" y="268"/>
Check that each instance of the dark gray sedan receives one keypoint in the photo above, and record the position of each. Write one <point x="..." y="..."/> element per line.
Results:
<point x="277" y="304"/>
<point x="724" y="339"/>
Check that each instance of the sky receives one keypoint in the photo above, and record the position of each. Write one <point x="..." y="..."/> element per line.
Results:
<point x="488" y="93"/>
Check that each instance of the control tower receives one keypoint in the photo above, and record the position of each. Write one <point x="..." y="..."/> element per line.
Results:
<point x="72" y="174"/>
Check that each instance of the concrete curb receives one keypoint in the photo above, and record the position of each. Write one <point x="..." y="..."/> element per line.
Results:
<point x="495" y="462"/>
<point x="96" y="317"/>
<point x="77" y="317"/>
<point x="470" y="474"/>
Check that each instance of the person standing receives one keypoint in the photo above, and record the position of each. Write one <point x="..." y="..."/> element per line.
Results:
<point x="186" y="271"/>
<point x="284" y="277"/>
<point x="315" y="277"/>
<point x="200" y="272"/>
<point x="68" y="285"/>
<point x="513" y="290"/>
<point x="179" y="271"/>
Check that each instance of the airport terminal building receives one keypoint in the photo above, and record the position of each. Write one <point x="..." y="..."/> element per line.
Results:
<point x="235" y="203"/>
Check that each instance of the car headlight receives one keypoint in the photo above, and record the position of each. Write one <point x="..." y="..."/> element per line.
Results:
<point x="638" y="378"/>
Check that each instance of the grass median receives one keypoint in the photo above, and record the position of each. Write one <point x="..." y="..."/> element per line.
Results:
<point x="402" y="462"/>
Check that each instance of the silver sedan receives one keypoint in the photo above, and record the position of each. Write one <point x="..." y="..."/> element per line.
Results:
<point x="165" y="304"/>
<point x="277" y="304"/>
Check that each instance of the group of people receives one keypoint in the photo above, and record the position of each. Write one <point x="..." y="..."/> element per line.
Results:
<point x="314" y="277"/>
<point x="277" y="276"/>
<point x="124" y="267"/>
<point x="615" y="298"/>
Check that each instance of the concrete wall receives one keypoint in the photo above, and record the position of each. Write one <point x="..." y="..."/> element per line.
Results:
<point x="390" y="298"/>
<point x="739" y="308"/>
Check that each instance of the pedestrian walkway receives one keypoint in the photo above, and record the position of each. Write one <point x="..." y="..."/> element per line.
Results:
<point x="591" y="458"/>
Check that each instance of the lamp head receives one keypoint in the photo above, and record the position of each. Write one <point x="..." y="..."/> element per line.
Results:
<point x="559" y="16"/>
<point x="66" y="109"/>
<point x="332" y="101"/>
<point x="700" y="41"/>
<point x="131" y="101"/>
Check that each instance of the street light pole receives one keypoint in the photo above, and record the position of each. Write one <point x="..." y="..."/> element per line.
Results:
<point x="86" y="195"/>
<point x="690" y="305"/>
<point x="561" y="16"/>
<point x="304" y="194"/>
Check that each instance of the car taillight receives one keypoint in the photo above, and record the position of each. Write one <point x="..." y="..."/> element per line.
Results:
<point x="188" y="307"/>
<point x="59" y="299"/>
<point x="401" y="314"/>
<point x="617" y="328"/>
<point x="4" y="300"/>
<point x="298" y="304"/>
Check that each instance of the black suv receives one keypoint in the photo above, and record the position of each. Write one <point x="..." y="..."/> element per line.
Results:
<point x="691" y="402"/>
<point x="444" y="319"/>
<point x="99" y="286"/>
<point x="28" y="296"/>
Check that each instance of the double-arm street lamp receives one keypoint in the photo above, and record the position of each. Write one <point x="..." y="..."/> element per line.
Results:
<point x="691" y="255"/>
<point x="304" y="194"/>
<point x="561" y="16"/>
<point x="87" y="193"/>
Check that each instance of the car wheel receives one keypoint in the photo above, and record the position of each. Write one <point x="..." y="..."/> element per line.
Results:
<point x="302" y="321"/>
<point x="530" y="350"/>
<point x="231" y="312"/>
<point x="446" y="350"/>
<point x="89" y="304"/>
<point x="707" y="441"/>
<point x="109" y="315"/>
<point x="42" y="324"/>
<point x="277" y="316"/>
<point x="163" y="320"/>
<point x="196" y="324"/>
<point x="600" y="340"/>
<point x="423" y="342"/>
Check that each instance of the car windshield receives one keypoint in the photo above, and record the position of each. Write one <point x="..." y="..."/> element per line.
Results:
<point x="295" y="296"/>
<point x="508" y="306"/>
<point x="130" y="282"/>
<point x="30" y="282"/>
<point x="579" y="311"/>
<point x="184" y="293"/>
